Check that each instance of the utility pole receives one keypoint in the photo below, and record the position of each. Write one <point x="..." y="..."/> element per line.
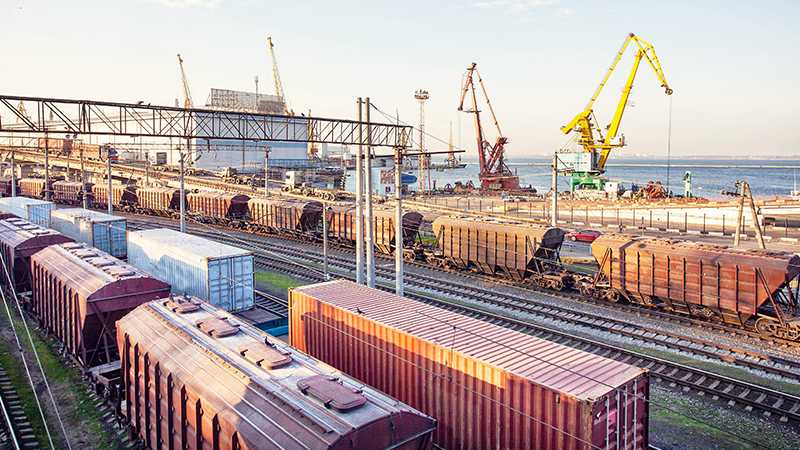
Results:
<point x="108" y="169"/>
<point x="13" y="172"/>
<point x="325" y="241"/>
<point x="359" y="201"/>
<point x="46" y="167"/>
<point x="266" y="171"/>
<point x="370" y="223"/>
<point x="182" y="156"/>
<point x="398" y="220"/>
<point x="83" y="182"/>
<point x="554" y="193"/>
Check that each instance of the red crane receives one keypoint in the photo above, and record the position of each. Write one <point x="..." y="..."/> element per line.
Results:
<point x="494" y="173"/>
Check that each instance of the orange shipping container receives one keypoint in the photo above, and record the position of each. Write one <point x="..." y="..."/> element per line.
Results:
<point x="489" y="387"/>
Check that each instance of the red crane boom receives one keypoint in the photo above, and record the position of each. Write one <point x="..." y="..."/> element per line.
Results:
<point x="494" y="173"/>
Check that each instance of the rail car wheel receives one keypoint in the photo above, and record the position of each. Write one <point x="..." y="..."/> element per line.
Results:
<point x="769" y="328"/>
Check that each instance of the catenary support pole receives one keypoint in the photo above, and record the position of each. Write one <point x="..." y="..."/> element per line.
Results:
<point x="369" y="222"/>
<point x="554" y="193"/>
<point x="398" y="220"/>
<point x="359" y="201"/>
<point x="83" y="181"/>
<point x="266" y="171"/>
<point x="109" y="199"/>
<point x="13" y="173"/>
<point x="46" y="167"/>
<point x="182" y="156"/>
<point x="325" y="211"/>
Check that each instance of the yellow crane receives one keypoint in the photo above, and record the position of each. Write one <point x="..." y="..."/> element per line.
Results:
<point x="276" y="77"/>
<point x="590" y="137"/>
<point x="187" y="95"/>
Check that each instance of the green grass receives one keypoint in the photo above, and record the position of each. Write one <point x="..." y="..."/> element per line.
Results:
<point x="693" y="427"/>
<point x="277" y="281"/>
<point x="16" y="373"/>
<point x="76" y="407"/>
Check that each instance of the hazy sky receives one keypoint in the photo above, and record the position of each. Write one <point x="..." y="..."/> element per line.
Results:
<point x="733" y="64"/>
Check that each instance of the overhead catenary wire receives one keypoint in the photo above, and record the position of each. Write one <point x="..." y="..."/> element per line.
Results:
<point x="36" y="354"/>
<point x="580" y="374"/>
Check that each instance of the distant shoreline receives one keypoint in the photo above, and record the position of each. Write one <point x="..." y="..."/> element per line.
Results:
<point x="682" y="165"/>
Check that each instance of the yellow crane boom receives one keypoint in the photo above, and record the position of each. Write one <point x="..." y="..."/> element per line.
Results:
<point x="582" y="122"/>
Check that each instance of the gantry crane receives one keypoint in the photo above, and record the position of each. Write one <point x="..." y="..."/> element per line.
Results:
<point x="494" y="173"/>
<point x="187" y="95"/>
<point x="584" y="123"/>
<point x="276" y="77"/>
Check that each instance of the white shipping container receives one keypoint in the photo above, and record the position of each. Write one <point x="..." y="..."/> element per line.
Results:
<point x="31" y="209"/>
<point x="218" y="273"/>
<point x="100" y="230"/>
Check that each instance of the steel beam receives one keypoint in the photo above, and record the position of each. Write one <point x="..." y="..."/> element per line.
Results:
<point x="88" y="117"/>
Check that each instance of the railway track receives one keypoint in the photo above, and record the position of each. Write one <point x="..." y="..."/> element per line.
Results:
<point x="774" y="365"/>
<point x="784" y="406"/>
<point x="642" y="311"/>
<point x="18" y="431"/>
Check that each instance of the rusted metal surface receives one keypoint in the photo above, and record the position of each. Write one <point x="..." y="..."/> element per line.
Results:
<point x="5" y="187"/>
<point x="122" y="195"/>
<point x="158" y="200"/>
<point x="19" y="239"/>
<point x="282" y="216"/>
<point x="496" y="245"/>
<point x="218" y="205"/>
<point x="69" y="192"/>
<point x="696" y="278"/>
<point x="31" y="187"/>
<point x="342" y="220"/>
<point x="488" y="386"/>
<point x="80" y="292"/>
<point x="189" y="389"/>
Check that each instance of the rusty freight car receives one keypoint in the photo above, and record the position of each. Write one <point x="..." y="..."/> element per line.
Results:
<point x="195" y="375"/>
<point x="5" y="186"/>
<point x="284" y="216"/>
<point x="751" y="288"/>
<point x="19" y="239"/>
<point x="489" y="387"/>
<point x="69" y="192"/>
<point x="80" y="292"/>
<point x="160" y="201"/>
<point x="123" y="196"/>
<point x="31" y="187"/>
<point x="218" y="207"/>
<point x="342" y="227"/>
<point x="494" y="246"/>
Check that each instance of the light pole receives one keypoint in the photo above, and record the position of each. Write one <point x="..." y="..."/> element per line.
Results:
<point x="359" y="201"/>
<point x="398" y="220"/>
<point x="13" y="173"/>
<point x="46" y="167"/>
<point x="368" y="191"/>
<point x="108" y="170"/>
<point x="182" y="156"/>
<point x="554" y="193"/>
<point x="266" y="171"/>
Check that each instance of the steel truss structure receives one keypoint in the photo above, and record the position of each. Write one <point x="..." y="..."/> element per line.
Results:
<point x="88" y="117"/>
